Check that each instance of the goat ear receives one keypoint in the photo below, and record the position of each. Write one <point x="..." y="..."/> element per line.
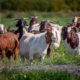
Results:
<point x="68" y="38"/>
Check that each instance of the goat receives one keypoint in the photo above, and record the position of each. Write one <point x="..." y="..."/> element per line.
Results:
<point x="34" y="25"/>
<point x="58" y="30"/>
<point x="71" y="37"/>
<point x="43" y="26"/>
<point x="36" y="45"/>
<point x="20" y="24"/>
<point x="2" y="29"/>
<point x="9" y="45"/>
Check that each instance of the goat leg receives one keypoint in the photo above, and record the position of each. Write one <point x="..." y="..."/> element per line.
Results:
<point x="49" y="50"/>
<point x="3" y="54"/>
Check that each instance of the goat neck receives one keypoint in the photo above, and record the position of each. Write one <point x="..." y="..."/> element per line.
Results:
<point x="19" y="33"/>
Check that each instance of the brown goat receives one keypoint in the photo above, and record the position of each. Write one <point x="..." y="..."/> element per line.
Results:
<point x="9" y="45"/>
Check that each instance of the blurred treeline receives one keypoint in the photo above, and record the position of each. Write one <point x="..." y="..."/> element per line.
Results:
<point x="40" y="5"/>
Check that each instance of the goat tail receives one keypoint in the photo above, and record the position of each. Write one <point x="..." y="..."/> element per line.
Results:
<point x="24" y="31"/>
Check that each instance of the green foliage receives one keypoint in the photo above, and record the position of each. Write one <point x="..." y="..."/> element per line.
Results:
<point x="40" y="5"/>
<point x="10" y="15"/>
<point x="38" y="75"/>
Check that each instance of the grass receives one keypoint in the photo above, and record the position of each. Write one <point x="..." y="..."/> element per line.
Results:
<point x="37" y="75"/>
<point x="58" y="56"/>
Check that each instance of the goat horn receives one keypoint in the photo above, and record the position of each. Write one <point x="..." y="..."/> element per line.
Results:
<point x="37" y="17"/>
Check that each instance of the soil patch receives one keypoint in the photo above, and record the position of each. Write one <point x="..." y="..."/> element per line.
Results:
<point x="71" y="69"/>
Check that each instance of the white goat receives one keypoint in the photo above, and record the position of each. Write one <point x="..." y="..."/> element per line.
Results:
<point x="35" y="45"/>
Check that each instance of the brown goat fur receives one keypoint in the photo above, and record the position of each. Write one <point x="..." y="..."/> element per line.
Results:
<point x="9" y="45"/>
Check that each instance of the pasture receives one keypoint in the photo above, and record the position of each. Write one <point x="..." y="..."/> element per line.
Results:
<point x="57" y="57"/>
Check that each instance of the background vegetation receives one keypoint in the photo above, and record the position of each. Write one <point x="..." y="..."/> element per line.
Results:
<point x="40" y="5"/>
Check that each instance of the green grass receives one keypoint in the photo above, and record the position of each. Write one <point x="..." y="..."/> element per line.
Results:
<point x="37" y="75"/>
<point x="57" y="56"/>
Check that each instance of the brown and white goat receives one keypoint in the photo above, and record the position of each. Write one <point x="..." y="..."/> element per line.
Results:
<point x="72" y="39"/>
<point x="9" y="45"/>
<point x="43" y="26"/>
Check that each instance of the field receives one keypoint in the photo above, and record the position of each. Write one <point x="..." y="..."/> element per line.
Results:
<point x="57" y="57"/>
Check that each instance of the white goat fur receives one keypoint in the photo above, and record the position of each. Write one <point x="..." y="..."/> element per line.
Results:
<point x="35" y="27"/>
<point x="59" y="38"/>
<point x="34" y="45"/>
<point x="57" y="27"/>
<point x="1" y="28"/>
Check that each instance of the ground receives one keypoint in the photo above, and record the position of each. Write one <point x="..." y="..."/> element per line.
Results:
<point x="72" y="69"/>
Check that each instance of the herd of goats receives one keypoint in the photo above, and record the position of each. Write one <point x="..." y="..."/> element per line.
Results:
<point x="35" y="41"/>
